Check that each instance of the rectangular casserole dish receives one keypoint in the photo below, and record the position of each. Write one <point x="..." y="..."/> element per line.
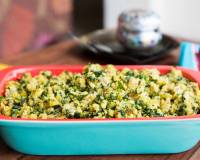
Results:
<point x="98" y="136"/>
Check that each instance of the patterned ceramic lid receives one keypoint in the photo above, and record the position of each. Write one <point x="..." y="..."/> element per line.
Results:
<point x="139" y="20"/>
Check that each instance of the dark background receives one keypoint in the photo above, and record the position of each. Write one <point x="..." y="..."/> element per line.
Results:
<point x="88" y="15"/>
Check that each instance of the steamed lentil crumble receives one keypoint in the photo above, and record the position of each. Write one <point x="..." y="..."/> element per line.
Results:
<point x="101" y="92"/>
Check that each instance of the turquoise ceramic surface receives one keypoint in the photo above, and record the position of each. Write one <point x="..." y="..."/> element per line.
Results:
<point x="116" y="137"/>
<point x="99" y="136"/>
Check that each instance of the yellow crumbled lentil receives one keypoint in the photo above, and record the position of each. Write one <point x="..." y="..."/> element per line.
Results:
<point x="101" y="92"/>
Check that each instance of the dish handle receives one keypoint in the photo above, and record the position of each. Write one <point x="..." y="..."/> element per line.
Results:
<point x="191" y="74"/>
<point x="3" y="72"/>
<point x="1" y="118"/>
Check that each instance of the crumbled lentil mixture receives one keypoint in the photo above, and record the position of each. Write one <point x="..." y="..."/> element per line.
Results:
<point x="101" y="92"/>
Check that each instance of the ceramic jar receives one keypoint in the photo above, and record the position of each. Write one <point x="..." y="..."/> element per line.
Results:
<point x="139" y="29"/>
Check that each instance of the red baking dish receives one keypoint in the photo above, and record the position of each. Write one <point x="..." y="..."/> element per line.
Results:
<point x="98" y="136"/>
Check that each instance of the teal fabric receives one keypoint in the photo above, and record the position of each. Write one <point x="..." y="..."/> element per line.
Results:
<point x="187" y="57"/>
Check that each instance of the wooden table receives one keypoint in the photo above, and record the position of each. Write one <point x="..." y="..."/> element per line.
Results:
<point x="66" y="53"/>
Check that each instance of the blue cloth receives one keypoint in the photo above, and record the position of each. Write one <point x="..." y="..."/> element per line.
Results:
<point x="187" y="56"/>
